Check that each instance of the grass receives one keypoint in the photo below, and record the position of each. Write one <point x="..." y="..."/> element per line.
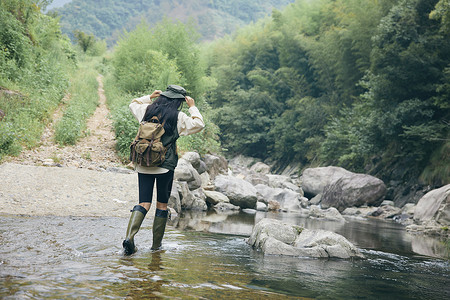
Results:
<point x="83" y="102"/>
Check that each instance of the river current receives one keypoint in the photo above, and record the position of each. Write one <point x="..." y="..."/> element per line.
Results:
<point x="205" y="256"/>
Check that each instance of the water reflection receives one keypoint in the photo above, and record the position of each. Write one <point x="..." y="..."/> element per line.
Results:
<point x="65" y="257"/>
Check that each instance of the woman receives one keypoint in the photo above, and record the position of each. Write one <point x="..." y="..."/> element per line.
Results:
<point x="176" y="123"/>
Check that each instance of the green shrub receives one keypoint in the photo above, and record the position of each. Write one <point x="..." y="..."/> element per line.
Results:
<point x="83" y="102"/>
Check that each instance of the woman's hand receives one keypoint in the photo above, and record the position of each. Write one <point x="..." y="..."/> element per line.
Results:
<point x="190" y="101"/>
<point x="155" y="94"/>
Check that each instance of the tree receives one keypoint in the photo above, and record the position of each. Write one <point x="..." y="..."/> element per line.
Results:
<point x="84" y="40"/>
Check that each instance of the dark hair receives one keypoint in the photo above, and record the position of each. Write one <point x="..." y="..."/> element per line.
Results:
<point x="166" y="109"/>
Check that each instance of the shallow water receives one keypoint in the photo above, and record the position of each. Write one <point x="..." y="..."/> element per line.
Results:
<point x="205" y="256"/>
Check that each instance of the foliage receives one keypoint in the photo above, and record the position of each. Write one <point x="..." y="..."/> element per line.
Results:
<point x="145" y="60"/>
<point x="83" y="102"/>
<point x="360" y="84"/>
<point x="35" y="60"/>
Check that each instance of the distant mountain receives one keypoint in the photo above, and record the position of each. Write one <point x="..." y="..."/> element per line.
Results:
<point x="106" y="19"/>
<point x="57" y="3"/>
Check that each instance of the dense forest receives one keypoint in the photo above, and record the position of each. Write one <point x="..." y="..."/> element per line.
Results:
<point x="212" y="18"/>
<point x="360" y="84"/>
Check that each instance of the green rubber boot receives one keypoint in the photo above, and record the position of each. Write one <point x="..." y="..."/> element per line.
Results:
<point x="159" y="226"/>
<point x="137" y="216"/>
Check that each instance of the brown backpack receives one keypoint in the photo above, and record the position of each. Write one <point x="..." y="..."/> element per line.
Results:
<point x="147" y="150"/>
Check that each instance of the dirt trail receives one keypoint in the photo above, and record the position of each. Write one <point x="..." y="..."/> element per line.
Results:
<point x="96" y="151"/>
<point x="71" y="180"/>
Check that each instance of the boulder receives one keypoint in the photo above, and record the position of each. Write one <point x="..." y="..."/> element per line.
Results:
<point x="191" y="200"/>
<point x="260" y="168"/>
<point x="273" y="237"/>
<point x="223" y="206"/>
<point x="213" y="197"/>
<point x="386" y="212"/>
<point x="434" y="206"/>
<point x="239" y="191"/>
<point x="257" y="178"/>
<point x="215" y="165"/>
<point x="288" y="199"/>
<point x="193" y="158"/>
<point x="186" y="172"/>
<point x="283" y="182"/>
<point x="314" y="180"/>
<point x="354" y="190"/>
<point x="331" y="214"/>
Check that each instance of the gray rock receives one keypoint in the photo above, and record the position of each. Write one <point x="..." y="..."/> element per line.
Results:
<point x="213" y="197"/>
<point x="239" y="191"/>
<point x="186" y="172"/>
<point x="434" y="206"/>
<point x="386" y="212"/>
<point x="206" y="180"/>
<point x="260" y="206"/>
<point x="273" y="205"/>
<point x="354" y="190"/>
<point x="387" y="202"/>
<point x="283" y="182"/>
<point x="331" y="214"/>
<point x="409" y="208"/>
<point x="193" y="158"/>
<point x="249" y="211"/>
<point x="304" y="202"/>
<point x="203" y="168"/>
<point x="257" y="178"/>
<point x="260" y="168"/>
<point x="314" y="180"/>
<point x="199" y="202"/>
<point x="223" y="206"/>
<point x="194" y="200"/>
<point x="215" y="165"/>
<point x="288" y="199"/>
<point x="316" y="199"/>
<point x="273" y="237"/>
<point x="174" y="200"/>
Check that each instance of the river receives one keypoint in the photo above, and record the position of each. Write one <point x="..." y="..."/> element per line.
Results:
<point x="205" y="256"/>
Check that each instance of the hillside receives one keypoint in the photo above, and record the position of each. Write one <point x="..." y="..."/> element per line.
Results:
<point x="107" y="19"/>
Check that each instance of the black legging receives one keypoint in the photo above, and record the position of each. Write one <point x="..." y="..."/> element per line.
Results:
<point x="163" y="186"/>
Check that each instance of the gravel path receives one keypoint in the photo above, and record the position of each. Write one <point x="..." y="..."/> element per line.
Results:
<point x="86" y="179"/>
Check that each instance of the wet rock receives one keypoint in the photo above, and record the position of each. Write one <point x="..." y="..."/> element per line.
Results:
<point x="223" y="206"/>
<point x="354" y="190"/>
<point x="239" y="191"/>
<point x="273" y="237"/>
<point x="304" y="202"/>
<point x="288" y="199"/>
<point x="215" y="165"/>
<point x="260" y="206"/>
<point x="435" y="205"/>
<point x="432" y="213"/>
<point x="331" y="214"/>
<point x="314" y="180"/>
<point x="386" y="212"/>
<point x="213" y="197"/>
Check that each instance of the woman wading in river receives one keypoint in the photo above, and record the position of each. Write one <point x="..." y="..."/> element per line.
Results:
<point x="176" y="123"/>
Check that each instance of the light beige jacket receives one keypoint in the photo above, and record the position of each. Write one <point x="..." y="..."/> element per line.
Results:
<point x="186" y="125"/>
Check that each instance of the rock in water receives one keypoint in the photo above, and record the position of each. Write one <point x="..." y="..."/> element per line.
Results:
<point x="273" y="237"/>
<point x="354" y="190"/>
<point x="314" y="180"/>
<point x="239" y="191"/>
<point x="434" y="205"/>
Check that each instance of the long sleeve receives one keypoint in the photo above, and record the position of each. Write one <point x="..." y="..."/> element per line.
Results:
<point x="139" y="106"/>
<point x="189" y="125"/>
